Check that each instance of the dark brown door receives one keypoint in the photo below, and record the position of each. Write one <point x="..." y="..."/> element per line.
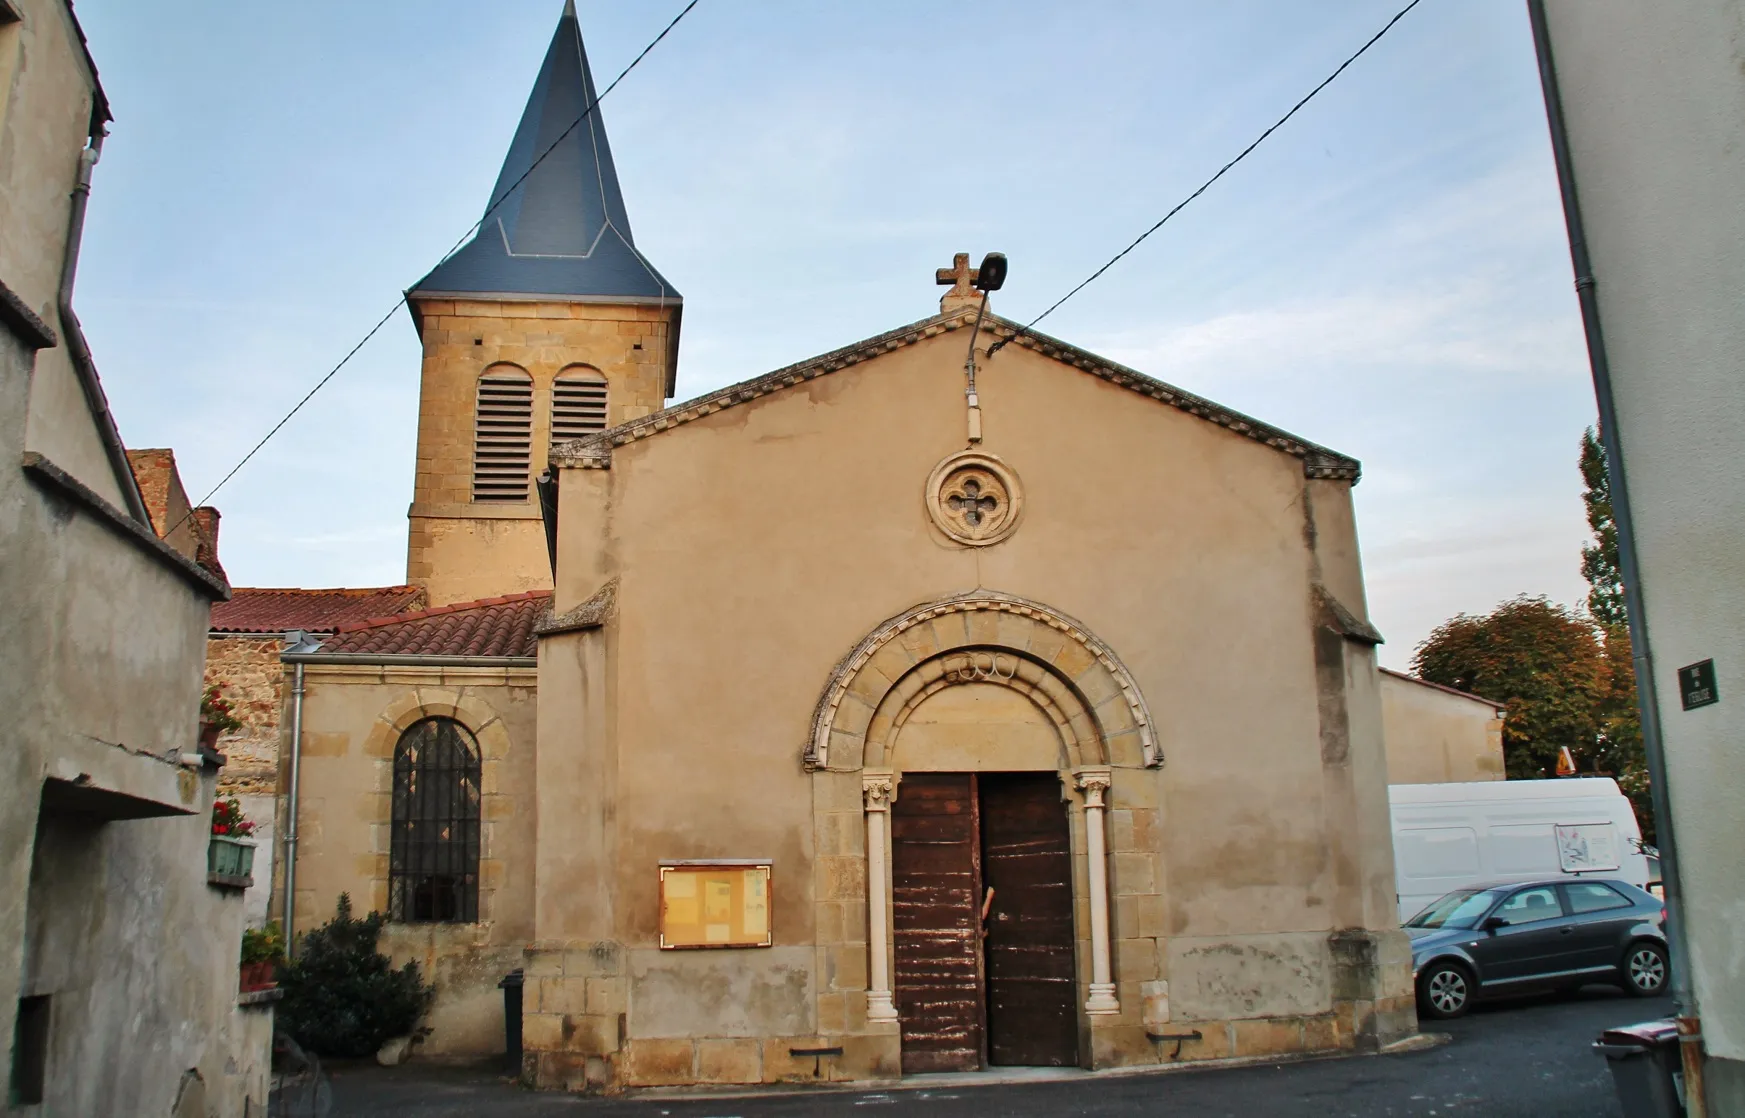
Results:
<point x="1032" y="1018"/>
<point x="936" y="889"/>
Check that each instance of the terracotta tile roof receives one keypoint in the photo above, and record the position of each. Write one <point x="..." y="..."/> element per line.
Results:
<point x="276" y="609"/>
<point x="489" y="627"/>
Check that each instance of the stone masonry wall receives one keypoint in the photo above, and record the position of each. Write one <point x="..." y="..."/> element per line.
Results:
<point x="254" y="681"/>
<point x="461" y="551"/>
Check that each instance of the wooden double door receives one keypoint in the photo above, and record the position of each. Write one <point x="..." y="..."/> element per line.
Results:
<point x="982" y="911"/>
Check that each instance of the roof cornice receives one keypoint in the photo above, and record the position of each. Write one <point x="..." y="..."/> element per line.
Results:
<point x="595" y="451"/>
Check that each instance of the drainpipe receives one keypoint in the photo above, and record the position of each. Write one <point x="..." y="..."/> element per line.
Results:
<point x="1653" y="745"/>
<point x="77" y="350"/>
<point x="296" y="641"/>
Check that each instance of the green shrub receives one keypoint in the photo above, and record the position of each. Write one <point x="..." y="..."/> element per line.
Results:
<point x="342" y="997"/>
<point x="263" y="945"/>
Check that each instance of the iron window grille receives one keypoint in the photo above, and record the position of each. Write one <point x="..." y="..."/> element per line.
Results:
<point x="433" y="852"/>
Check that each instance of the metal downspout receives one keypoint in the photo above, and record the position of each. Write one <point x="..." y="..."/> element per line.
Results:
<point x="291" y="811"/>
<point x="1683" y="995"/>
<point x="78" y="350"/>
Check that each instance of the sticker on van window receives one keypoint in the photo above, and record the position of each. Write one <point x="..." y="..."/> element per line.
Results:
<point x="1587" y="847"/>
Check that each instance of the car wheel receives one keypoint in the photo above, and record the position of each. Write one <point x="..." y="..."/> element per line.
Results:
<point x="1445" y="991"/>
<point x="1645" y="969"/>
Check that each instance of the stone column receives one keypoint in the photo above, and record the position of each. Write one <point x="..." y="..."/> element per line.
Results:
<point x="1095" y="783"/>
<point x="878" y="789"/>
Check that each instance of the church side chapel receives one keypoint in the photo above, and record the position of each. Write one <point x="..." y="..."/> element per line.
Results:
<point x="876" y="716"/>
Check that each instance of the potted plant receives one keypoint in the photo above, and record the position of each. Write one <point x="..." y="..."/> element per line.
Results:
<point x="217" y="716"/>
<point x="230" y="854"/>
<point x="263" y="949"/>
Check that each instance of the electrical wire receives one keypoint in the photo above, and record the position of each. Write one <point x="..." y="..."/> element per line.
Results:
<point x="1203" y="187"/>
<point x="465" y="237"/>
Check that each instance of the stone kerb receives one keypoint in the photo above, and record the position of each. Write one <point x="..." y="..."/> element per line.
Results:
<point x="1000" y="638"/>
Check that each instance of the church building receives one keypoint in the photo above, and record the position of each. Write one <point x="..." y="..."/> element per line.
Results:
<point x="868" y="717"/>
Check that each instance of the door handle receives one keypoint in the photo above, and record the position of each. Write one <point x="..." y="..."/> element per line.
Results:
<point x="1565" y="931"/>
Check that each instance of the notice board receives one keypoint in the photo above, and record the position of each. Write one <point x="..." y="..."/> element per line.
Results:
<point x="722" y="903"/>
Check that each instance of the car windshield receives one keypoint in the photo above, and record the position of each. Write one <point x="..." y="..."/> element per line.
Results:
<point x="1459" y="909"/>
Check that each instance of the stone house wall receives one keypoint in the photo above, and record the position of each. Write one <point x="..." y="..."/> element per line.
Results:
<point x="353" y="717"/>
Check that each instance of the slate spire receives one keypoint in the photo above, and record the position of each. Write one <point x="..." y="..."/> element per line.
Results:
<point x="561" y="229"/>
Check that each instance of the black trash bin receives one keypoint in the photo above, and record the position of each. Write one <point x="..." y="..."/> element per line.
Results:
<point x="511" y="987"/>
<point x="1647" y="1070"/>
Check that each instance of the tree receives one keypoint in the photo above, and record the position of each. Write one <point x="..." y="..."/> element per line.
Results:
<point x="1543" y="661"/>
<point x="1599" y="560"/>
<point x="1621" y="751"/>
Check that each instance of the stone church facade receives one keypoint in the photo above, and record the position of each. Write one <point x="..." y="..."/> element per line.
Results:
<point x="824" y="727"/>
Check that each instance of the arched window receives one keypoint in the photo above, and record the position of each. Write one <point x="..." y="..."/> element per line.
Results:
<point x="433" y="848"/>
<point x="578" y="403"/>
<point x="503" y="435"/>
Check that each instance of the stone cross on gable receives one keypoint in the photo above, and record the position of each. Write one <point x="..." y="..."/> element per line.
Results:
<point x="961" y="278"/>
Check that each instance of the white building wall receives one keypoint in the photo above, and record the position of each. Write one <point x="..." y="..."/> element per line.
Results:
<point x="1653" y="97"/>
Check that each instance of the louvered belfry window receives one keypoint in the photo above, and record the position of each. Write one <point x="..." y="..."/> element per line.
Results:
<point x="503" y="436"/>
<point x="433" y="848"/>
<point x="578" y="403"/>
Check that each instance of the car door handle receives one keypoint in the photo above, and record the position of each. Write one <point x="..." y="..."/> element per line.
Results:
<point x="1565" y="931"/>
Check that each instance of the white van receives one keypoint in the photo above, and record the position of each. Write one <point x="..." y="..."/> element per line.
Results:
<point x="1448" y="836"/>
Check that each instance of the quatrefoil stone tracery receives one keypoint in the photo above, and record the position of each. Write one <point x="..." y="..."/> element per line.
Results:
<point x="973" y="498"/>
<point x="976" y="500"/>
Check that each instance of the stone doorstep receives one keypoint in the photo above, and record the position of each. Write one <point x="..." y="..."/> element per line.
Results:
<point x="996" y="1077"/>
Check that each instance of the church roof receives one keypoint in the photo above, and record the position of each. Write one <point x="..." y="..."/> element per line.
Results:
<point x="253" y="609"/>
<point x="556" y="227"/>
<point x="495" y="627"/>
<point x="595" y="450"/>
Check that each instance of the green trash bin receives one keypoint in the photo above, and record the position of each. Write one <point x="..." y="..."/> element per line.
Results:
<point x="1647" y="1069"/>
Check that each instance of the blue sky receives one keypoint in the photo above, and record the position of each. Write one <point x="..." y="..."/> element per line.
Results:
<point x="1387" y="275"/>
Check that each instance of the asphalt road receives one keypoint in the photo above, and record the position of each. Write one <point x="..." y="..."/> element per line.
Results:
<point x="1526" y="1059"/>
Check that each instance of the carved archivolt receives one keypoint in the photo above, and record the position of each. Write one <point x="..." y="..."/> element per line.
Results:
<point x="981" y="637"/>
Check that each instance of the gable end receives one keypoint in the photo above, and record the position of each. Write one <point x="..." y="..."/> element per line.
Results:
<point x="595" y="451"/>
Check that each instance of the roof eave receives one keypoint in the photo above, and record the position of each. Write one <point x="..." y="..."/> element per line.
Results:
<point x="403" y="658"/>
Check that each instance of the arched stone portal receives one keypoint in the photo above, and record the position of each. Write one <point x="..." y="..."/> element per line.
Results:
<point x="1054" y="697"/>
<point x="982" y="636"/>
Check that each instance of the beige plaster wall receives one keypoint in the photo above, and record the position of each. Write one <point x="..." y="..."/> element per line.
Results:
<point x="457" y="549"/>
<point x="352" y="719"/>
<point x="101" y="692"/>
<point x="105" y="906"/>
<point x="46" y="107"/>
<point x="1434" y="736"/>
<point x="755" y="547"/>
<point x="48" y="95"/>
<point x="1651" y="97"/>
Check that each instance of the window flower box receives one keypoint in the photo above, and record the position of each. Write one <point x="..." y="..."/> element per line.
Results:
<point x="230" y="862"/>
<point x="262" y="975"/>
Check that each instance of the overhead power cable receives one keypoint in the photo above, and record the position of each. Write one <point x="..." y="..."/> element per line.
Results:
<point x="464" y="238"/>
<point x="1203" y="187"/>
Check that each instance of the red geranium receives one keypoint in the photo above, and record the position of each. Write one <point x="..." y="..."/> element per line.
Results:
<point x="227" y="819"/>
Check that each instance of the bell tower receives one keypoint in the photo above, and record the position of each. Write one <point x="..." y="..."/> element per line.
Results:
<point x="549" y="324"/>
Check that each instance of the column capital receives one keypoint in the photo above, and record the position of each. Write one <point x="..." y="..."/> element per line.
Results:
<point x="1094" y="782"/>
<point x="878" y="788"/>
